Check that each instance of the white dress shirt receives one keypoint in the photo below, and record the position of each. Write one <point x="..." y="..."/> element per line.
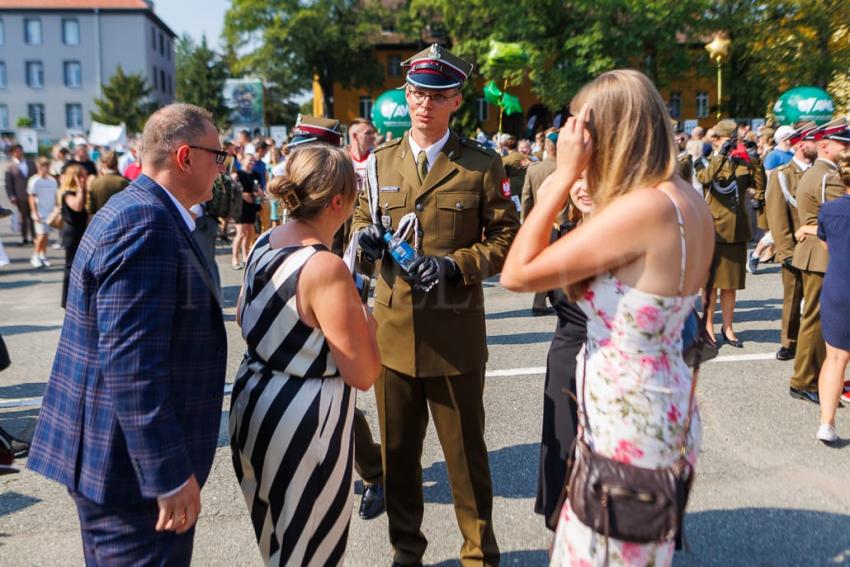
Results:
<point x="431" y="151"/>
<point x="187" y="218"/>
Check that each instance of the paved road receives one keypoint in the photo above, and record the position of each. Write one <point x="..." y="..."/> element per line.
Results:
<point x="766" y="493"/>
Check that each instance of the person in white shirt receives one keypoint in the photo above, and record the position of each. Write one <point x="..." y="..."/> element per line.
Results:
<point x="41" y="189"/>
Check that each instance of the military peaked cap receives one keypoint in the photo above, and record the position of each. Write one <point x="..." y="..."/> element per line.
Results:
<point x="314" y="129"/>
<point x="836" y="130"/>
<point x="437" y="68"/>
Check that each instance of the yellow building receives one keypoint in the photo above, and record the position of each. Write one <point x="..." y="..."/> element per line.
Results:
<point x="693" y="97"/>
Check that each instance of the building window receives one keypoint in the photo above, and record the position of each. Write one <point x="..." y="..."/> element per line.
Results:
<point x="35" y="74"/>
<point x="483" y="110"/>
<point x="394" y="66"/>
<point x="161" y="44"/>
<point x="36" y="114"/>
<point x="73" y="73"/>
<point x="702" y="104"/>
<point x="71" y="32"/>
<point x="2" y="74"/>
<point x="366" y="107"/>
<point x="170" y="88"/>
<point x="162" y="80"/>
<point x="155" y="77"/>
<point x="168" y="51"/>
<point x="74" y="116"/>
<point x="4" y="117"/>
<point x="32" y="31"/>
<point x="675" y="105"/>
<point x="153" y="39"/>
<point x="2" y="33"/>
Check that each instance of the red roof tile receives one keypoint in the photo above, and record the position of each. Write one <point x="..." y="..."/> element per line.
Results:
<point x="74" y="4"/>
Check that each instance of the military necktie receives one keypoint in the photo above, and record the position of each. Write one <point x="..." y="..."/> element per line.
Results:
<point x="422" y="165"/>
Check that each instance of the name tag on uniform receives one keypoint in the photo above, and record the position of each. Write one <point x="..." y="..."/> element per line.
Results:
<point x="389" y="189"/>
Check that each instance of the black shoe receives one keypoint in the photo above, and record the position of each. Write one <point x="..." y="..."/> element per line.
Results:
<point x="372" y="503"/>
<point x="805" y="395"/>
<point x="737" y="343"/>
<point x="5" y="213"/>
<point x="18" y="448"/>
<point x="786" y="353"/>
<point x="540" y="311"/>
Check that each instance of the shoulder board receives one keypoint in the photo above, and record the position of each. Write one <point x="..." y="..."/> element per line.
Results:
<point x="476" y="145"/>
<point x="388" y="144"/>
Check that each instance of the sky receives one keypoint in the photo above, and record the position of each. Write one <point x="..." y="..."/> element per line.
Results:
<point x="195" y="17"/>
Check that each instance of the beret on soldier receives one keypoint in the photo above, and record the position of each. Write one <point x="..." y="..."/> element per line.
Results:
<point x="725" y="128"/>
<point x="314" y="129"/>
<point x="437" y="68"/>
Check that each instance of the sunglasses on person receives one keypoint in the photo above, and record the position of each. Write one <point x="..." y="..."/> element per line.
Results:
<point x="438" y="99"/>
<point x="220" y="155"/>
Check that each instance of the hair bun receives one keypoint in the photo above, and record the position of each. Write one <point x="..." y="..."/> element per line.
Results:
<point x="289" y="197"/>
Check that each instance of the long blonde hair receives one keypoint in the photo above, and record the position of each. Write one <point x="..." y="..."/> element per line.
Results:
<point x="633" y="145"/>
<point x="68" y="181"/>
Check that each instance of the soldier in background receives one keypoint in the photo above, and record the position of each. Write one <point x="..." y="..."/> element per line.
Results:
<point x="516" y="164"/>
<point x="811" y="258"/>
<point x="730" y="173"/>
<point x="781" y="211"/>
<point x="431" y="330"/>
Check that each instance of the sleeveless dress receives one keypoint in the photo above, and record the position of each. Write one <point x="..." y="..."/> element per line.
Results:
<point x="290" y="419"/>
<point x="637" y="394"/>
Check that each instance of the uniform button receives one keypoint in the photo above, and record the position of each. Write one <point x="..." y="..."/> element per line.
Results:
<point x="458" y="205"/>
<point x="387" y="205"/>
<point x="420" y="207"/>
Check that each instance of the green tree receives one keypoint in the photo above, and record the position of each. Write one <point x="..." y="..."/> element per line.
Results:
<point x="125" y="99"/>
<point x="24" y="122"/>
<point x="287" y="42"/>
<point x="200" y="76"/>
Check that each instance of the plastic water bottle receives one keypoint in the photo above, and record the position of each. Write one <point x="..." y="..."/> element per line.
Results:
<point x="402" y="252"/>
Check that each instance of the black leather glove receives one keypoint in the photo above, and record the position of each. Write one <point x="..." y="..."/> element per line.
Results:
<point x="727" y="147"/>
<point x="371" y="242"/>
<point x="428" y="271"/>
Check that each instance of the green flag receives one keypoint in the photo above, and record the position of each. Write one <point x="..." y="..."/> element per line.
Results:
<point x="492" y="93"/>
<point x="511" y="104"/>
<point x="507" y="55"/>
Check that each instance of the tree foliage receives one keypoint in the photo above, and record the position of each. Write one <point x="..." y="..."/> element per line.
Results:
<point x="287" y="42"/>
<point x="125" y="99"/>
<point x="200" y="77"/>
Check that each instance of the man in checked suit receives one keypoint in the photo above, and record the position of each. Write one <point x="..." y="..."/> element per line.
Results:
<point x="131" y="413"/>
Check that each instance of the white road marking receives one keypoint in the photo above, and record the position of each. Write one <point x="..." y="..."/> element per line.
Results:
<point x="529" y="371"/>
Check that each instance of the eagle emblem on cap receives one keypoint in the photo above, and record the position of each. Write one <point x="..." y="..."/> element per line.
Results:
<point x="434" y="52"/>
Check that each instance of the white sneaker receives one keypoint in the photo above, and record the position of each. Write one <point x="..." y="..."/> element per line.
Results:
<point x="752" y="263"/>
<point x="44" y="261"/>
<point x="826" y="433"/>
<point x="35" y="261"/>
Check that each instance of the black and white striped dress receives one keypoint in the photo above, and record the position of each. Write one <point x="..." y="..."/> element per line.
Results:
<point x="290" y="419"/>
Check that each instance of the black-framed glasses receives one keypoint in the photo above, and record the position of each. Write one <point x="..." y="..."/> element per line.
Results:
<point x="438" y="99"/>
<point x="220" y="155"/>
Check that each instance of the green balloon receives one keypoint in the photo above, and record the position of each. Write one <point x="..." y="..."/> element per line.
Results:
<point x="804" y="103"/>
<point x="390" y="113"/>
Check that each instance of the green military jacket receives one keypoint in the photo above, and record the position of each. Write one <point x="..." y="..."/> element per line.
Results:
<point x="731" y="222"/>
<point x="781" y="213"/>
<point x="515" y="170"/>
<point x="465" y="213"/>
<point x="534" y="178"/>
<point x="816" y="186"/>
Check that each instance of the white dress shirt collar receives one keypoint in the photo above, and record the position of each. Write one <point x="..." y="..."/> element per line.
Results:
<point x="801" y="164"/>
<point x="431" y="151"/>
<point x="187" y="218"/>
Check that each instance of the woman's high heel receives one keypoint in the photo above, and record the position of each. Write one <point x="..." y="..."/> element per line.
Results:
<point x="737" y="343"/>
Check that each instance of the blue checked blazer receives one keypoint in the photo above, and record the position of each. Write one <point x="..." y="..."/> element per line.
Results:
<point x="133" y="403"/>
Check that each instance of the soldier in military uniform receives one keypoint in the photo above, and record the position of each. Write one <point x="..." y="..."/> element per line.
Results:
<point x="431" y="329"/>
<point x="781" y="211"/>
<point x="516" y="165"/>
<point x="730" y="173"/>
<point x="811" y="258"/>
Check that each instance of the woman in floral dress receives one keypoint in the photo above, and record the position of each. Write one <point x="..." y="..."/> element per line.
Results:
<point x="635" y="269"/>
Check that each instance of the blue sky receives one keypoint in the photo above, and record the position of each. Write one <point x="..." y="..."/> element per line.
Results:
<point x="195" y="17"/>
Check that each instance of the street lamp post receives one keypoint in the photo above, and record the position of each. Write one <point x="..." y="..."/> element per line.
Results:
<point x="718" y="50"/>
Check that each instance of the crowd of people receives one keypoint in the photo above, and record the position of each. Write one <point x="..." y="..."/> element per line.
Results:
<point x="130" y="415"/>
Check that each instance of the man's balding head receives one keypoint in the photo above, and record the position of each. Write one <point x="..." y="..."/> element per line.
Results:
<point x="171" y="126"/>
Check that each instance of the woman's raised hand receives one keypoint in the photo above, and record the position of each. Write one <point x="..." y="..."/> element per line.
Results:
<point x="574" y="144"/>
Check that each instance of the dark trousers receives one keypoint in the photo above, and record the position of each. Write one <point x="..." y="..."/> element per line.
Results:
<point x="811" y="349"/>
<point x="792" y="296"/>
<point x="560" y="420"/>
<point x="456" y="404"/>
<point x="114" y="536"/>
<point x="71" y="246"/>
<point x="367" y="453"/>
<point x="27" y="226"/>
<point x="539" y="301"/>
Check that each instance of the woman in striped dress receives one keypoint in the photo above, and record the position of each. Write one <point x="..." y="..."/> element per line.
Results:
<point x="310" y="340"/>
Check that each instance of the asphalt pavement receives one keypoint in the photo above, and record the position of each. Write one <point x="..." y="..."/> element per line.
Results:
<point x="766" y="492"/>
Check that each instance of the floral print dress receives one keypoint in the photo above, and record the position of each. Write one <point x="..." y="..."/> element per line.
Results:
<point x="637" y="394"/>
